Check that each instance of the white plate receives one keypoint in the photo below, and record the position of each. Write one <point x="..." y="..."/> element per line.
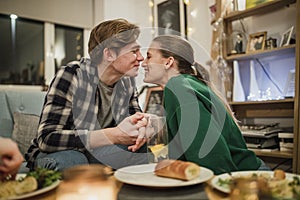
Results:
<point x="223" y="188"/>
<point x="143" y="175"/>
<point x="36" y="192"/>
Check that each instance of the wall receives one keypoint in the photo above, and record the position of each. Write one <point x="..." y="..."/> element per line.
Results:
<point x="135" y="11"/>
<point x="66" y="12"/>
<point x="88" y="13"/>
<point x="199" y="29"/>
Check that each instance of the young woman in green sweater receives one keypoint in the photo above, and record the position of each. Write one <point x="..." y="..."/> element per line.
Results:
<point x="201" y="126"/>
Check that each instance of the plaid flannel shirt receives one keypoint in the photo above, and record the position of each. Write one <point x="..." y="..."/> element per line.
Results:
<point x="71" y="106"/>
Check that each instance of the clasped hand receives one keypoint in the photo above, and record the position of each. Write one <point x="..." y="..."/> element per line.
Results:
<point x="138" y="126"/>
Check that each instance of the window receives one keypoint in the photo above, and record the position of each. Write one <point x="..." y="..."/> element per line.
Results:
<point x="68" y="45"/>
<point x="24" y="44"/>
<point x="21" y="51"/>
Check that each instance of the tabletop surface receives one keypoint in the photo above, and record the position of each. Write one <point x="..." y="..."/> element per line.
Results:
<point x="201" y="191"/>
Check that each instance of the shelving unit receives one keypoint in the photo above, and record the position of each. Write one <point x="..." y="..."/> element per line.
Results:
<point x="283" y="108"/>
<point x="262" y="53"/>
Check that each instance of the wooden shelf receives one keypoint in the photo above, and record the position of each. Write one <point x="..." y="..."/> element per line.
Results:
<point x="261" y="109"/>
<point x="259" y="9"/>
<point x="281" y="101"/>
<point x="277" y="154"/>
<point x="283" y="110"/>
<point x="263" y="53"/>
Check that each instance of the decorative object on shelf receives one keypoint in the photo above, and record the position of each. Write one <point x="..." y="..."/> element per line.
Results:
<point x="286" y="37"/>
<point x="241" y="5"/>
<point x="238" y="90"/>
<point x="235" y="5"/>
<point x="253" y="3"/>
<point x="256" y="41"/>
<point x="289" y="89"/>
<point x="254" y="91"/>
<point x="237" y="42"/>
<point x="238" y="5"/>
<point x="272" y="90"/>
<point x="219" y="63"/>
<point x="213" y="10"/>
<point x="271" y="43"/>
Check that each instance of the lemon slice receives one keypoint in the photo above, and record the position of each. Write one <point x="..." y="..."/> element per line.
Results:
<point x="159" y="151"/>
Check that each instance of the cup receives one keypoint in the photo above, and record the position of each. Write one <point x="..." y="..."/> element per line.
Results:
<point x="250" y="188"/>
<point x="157" y="143"/>
<point x="87" y="182"/>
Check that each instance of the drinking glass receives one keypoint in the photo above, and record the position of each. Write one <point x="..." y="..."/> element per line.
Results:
<point x="157" y="143"/>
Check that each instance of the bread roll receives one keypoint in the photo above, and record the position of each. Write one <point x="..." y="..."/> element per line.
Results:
<point x="14" y="188"/>
<point x="177" y="169"/>
<point x="279" y="174"/>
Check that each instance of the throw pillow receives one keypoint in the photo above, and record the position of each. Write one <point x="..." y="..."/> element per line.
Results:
<point x="25" y="129"/>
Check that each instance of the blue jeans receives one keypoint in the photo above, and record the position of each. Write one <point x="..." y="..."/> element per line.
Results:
<point x="115" y="156"/>
<point x="263" y="166"/>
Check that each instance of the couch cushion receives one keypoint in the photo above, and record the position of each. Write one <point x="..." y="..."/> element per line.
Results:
<point x="24" y="101"/>
<point x="25" y="129"/>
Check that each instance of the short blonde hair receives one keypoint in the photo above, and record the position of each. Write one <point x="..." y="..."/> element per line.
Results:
<point x="113" y="34"/>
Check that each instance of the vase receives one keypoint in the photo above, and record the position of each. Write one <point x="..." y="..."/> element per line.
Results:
<point x="238" y="90"/>
<point x="254" y="92"/>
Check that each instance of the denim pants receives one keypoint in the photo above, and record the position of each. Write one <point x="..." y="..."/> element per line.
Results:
<point x="263" y="166"/>
<point x="115" y="156"/>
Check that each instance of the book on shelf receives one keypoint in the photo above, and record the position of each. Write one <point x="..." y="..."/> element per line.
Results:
<point x="265" y="150"/>
<point x="286" y="142"/>
<point x="262" y="143"/>
<point x="286" y="149"/>
<point x="264" y="131"/>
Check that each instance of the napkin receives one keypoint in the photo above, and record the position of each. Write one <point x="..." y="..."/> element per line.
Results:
<point x="131" y="192"/>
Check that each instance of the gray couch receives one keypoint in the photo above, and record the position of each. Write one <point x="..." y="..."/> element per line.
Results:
<point x="19" y="116"/>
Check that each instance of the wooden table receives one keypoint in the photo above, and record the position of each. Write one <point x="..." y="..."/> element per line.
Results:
<point x="126" y="192"/>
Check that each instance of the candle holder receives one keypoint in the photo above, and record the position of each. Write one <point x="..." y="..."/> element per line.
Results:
<point x="87" y="182"/>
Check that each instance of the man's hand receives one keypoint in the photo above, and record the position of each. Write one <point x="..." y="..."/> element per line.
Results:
<point x="130" y="125"/>
<point x="10" y="158"/>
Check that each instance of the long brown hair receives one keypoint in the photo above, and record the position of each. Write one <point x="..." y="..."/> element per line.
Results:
<point x="183" y="53"/>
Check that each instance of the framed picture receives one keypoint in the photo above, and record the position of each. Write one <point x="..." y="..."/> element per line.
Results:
<point x="286" y="37"/>
<point x="253" y="3"/>
<point x="154" y="101"/>
<point x="256" y="42"/>
<point x="169" y="17"/>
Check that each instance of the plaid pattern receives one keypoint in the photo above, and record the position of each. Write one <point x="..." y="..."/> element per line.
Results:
<point x="71" y="106"/>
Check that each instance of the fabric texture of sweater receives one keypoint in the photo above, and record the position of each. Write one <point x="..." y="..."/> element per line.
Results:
<point x="201" y="130"/>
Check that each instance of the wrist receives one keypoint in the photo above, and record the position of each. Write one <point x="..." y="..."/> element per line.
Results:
<point x="112" y="134"/>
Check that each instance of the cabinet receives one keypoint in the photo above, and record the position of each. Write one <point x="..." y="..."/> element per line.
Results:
<point x="284" y="58"/>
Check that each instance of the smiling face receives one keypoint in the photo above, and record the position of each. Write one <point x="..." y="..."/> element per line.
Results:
<point x="155" y="66"/>
<point x="128" y="60"/>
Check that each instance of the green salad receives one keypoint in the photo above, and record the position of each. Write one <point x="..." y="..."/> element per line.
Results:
<point x="45" y="177"/>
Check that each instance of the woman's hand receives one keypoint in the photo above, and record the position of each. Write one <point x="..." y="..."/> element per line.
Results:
<point x="10" y="158"/>
<point x="142" y="138"/>
<point x="146" y="131"/>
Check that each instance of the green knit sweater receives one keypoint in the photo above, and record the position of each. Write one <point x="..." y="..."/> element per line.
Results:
<point x="201" y="130"/>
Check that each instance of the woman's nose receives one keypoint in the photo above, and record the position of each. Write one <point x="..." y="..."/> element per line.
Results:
<point x="143" y="63"/>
